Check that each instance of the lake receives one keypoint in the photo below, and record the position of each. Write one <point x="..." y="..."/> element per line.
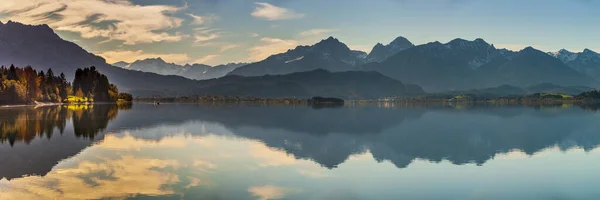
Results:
<point x="234" y="151"/>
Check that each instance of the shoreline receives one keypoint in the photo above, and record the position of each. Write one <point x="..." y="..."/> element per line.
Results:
<point x="43" y="104"/>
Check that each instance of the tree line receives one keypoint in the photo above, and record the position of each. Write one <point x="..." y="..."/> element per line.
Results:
<point x="27" y="85"/>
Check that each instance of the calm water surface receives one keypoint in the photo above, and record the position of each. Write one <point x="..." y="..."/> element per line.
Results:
<point x="184" y="151"/>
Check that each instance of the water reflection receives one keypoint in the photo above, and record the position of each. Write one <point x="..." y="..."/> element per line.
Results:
<point x="35" y="139"/>
<point x="329" y="136"/>
<point x="285" y="152"/>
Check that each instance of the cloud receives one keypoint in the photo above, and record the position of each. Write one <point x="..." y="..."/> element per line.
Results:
<point x="220" y="45"/>
<point x="363" y="48"/>
<point x="271" y="46"/>
<point x="112" y="19"/>
<point x="206" y="34"/>
<point x="270" y="12"/>
<point x="316" y="32"/>
<point x="254" y="35"/>
<point x="224" y="48"/>
<point x="271" y="192"/>
<point x="202" y="20"/>
<point x="206" y="58"/>
<point x="518" y="47"/>
<point x="131" y="56"/>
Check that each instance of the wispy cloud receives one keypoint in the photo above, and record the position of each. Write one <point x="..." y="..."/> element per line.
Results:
<point x="202" y="35"/>
<point x="254" y="35"/>
<point x="202" y="20"/>
<point x="270" y="46"/>
<point x="316" y="32"/>
<point x="225" y="47"/>
<point x="123" y="20"/>
<point x="205" y="59"/>
<point x="131" y="56"/>
<point x="270" y="12"/>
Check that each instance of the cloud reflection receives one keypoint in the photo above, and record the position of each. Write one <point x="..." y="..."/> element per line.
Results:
<point x="122" y="177"/>
<point x="271" y="192"/>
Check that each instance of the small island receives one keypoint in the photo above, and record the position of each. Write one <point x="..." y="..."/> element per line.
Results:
<point x="21" y="86"/>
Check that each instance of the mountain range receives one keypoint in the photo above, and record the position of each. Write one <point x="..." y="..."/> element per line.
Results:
<point x="458" y="65"/>
<point x="191" y="71"/>
<point x="40" y="47"/>
<point x="586" y="62"/>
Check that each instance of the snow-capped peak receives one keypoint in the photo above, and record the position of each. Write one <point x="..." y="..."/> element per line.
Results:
<point x="564" y="55"/>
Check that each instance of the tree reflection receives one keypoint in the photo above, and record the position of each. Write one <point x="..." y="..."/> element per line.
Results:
<point x="26" y="124"/>
<point x="41" y="137"/>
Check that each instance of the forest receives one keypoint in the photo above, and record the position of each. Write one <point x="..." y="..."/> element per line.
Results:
<point x="27" y="85"/>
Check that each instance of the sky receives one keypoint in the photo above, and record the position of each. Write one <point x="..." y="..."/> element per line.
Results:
<point x="222" y="31"/>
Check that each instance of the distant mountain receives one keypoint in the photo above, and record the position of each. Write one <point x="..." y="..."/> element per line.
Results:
<point x="557" y="89"/>
<point x="440" y="67"/>
<point x="346" y="85"/>
<point x="531" y="66"/>
<point x="508" y="90"/>
<point x="587" y="62"/>
<point x="463" y="65"/>
<point x="382" y="52"/>
<point x="202" y="72"/>
<point x="329" y="54"/>
<point x="121" y="64"/>
<point x="41" y="48"/>
<point x="195" y="71"/>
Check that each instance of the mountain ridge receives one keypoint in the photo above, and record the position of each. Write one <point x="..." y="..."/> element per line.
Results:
<point x="190" y="71"/>
<point x="382" y="52"/>
<point x="329" y="54"/>
<point x="586" y="62"/>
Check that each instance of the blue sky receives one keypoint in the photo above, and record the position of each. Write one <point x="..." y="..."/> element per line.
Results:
<point x="222" y="31"/>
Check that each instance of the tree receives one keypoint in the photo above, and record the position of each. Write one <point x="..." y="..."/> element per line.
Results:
<point x="79" y="93"/>
<point x="25" y="85"/>
<point x="126" y="96"/>
<point x="94" y="85"/>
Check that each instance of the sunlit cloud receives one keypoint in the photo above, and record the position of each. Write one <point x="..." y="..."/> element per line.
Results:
<point x="317" y="32"/>
<point x="518" y="47"/>
<point x="271" y="192"/>
<point x="270" y="46"/>
<point x="363" y="48"/>
<point x="119" y="20"/>
<point x="270" y="12"/>
<point x="132" y="56"/>
<point x="193" y="182"/>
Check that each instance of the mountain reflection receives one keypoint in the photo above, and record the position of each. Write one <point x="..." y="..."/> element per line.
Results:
<point x="459" y="134"/>
<point x="33" y="140"/>
<point x="328" y="136"/>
